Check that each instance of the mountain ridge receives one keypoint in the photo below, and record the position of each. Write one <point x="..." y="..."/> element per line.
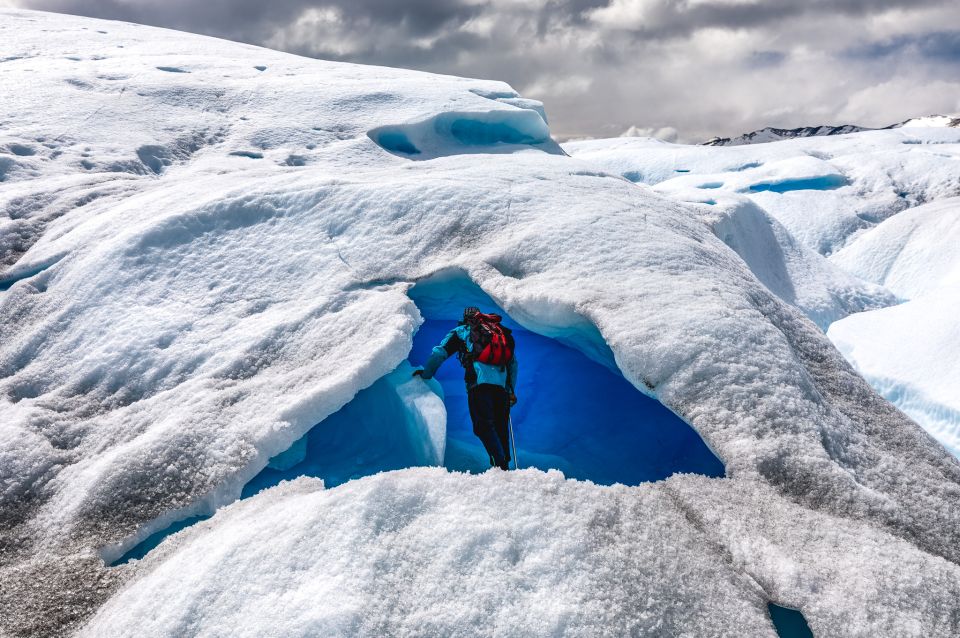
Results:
<point x="774" y="134"/>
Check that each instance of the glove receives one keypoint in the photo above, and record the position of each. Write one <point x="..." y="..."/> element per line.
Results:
<point x="418" y="373"/>
<point x="513" y="399"/>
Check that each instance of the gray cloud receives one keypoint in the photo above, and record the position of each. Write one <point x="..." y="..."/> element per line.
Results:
<point x="942" y="45"/>
<point x="702" y="67"/>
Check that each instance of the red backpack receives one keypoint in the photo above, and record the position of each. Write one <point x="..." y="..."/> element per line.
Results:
<point x="492" y="342"/>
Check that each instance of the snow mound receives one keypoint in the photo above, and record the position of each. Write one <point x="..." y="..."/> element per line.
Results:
<point x="911" y="353"/>
<point x="911" y="254"/>
<point x="201" y="266"/>
<point x="790" y="270"/>
<point x="423" y="552"/>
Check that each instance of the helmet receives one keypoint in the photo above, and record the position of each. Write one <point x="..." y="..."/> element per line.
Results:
<point x="470" y="312"/>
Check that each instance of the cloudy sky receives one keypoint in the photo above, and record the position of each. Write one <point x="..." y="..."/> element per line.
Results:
<point x="687" y="68"/>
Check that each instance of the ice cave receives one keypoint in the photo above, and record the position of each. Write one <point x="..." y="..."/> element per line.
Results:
<point x="576" y="413"/>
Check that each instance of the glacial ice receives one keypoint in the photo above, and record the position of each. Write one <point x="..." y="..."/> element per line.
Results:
<point x="396" y="423"/>
<point x="627" y="438"/>
<point x="911" y="352"/>
<point x="824" y="190"/>
<point x="911" y="254"/>
<point x="427" y="552"/>
<point x="402" y="422"/>
<point x="789" y="623"/>
<point x="165" y="334"/>
<point x="466" y="132"/>
<point x="859" y="199"/>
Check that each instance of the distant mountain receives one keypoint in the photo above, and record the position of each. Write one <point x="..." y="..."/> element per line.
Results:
<point x="951" y="121"/>
<point x="771" y="134"/>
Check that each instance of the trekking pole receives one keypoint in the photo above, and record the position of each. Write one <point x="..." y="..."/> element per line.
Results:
<point x="513" y="443"/>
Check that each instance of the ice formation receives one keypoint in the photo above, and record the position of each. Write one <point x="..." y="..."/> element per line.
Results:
<point x="824" y="190"/>
<point x="911" y="352"/>
<point x="627" y="438"/>
<point x="209" y="249"/>
<point x="861" y="200"/>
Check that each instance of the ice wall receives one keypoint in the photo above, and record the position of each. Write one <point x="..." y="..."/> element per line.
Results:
<point x="397" y="422"/>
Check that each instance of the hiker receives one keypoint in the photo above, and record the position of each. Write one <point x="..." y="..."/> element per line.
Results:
<point x="486" y="351"/>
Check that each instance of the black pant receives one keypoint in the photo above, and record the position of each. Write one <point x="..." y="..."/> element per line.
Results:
<point x="490" y="412"/>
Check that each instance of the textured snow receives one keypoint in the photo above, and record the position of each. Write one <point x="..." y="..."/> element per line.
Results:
<point x="424" y="552"/>
<point x="826" y="190"/>
<point x="911" y="353"/>
<point x="209" y="252"/>
<point x="912" y="254"/>
<point x="774" y="204"/>
<point x="859" y="199"/>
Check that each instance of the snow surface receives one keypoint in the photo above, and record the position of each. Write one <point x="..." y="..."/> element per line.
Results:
<point x="911" y="352"/>
<point x="425" y="552"/>
<point x="776" y="205"/>
<point x="846" y="197"/>
<point x="824" y="190"/>
<point x="209" y="252"/>
<point x="913" y="254"/>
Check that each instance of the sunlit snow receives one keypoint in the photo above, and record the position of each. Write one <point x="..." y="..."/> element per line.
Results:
<point x="210" y="251"/>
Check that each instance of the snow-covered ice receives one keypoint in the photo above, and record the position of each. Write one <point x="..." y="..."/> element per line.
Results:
<point x="824" y="190"/>
<point x="209" y="248"/>
<point x="912" y="254"/>
<point x="860" y="199"/>
<point x="911" y="352"/>
<point x="427" y="553"/>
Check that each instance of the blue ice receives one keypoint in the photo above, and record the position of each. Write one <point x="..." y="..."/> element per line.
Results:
<point x="477" y="132"/>
<point x="141" y="549"/>
<point x="573" y="414"/>
<point x="822" y="183"/>
<point x="396" y="142"/>
<point x="789" y="623"/>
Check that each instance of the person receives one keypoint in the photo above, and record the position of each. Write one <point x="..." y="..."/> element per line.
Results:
<point x="486" y="351"/>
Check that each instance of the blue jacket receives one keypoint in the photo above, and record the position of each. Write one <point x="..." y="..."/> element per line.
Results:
<point x="476" y="373"/>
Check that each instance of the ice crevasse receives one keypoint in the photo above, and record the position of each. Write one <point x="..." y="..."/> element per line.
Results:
<point x="185" y="301"/>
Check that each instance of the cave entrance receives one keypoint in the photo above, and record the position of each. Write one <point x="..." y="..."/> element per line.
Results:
<point x="574" y="413"/>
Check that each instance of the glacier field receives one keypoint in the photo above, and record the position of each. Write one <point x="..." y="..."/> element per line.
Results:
<point x="219" y="265"/>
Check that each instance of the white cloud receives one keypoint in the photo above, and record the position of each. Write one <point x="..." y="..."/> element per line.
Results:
<point x="666" y="133"/>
